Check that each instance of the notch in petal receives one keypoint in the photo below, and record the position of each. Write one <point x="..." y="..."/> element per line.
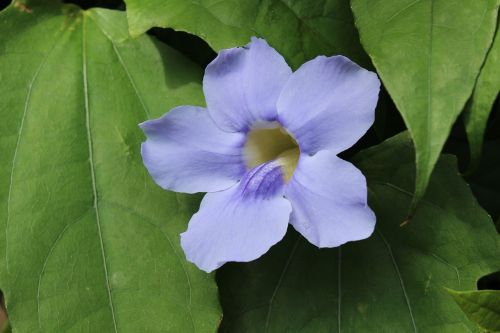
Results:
<point x="329" y="199"/>
<point x="328" y="103"/>
<point x="242" y="85"/>
<point x="186" y="152"/>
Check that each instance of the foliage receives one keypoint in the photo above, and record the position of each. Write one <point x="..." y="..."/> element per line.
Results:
<point x="428" y="54"/>
<point x="88" y="243"/>
<point x="391" y="282"/>
<point x="485" y="93"/>
<point x="87" y="235"/>
<point x="299" y="30"/>
<point x="481" y="306"/>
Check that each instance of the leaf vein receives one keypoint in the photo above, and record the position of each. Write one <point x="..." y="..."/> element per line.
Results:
<point x="401" y="282"/>
<point x="169" y="241"/>
<point x="92" y="170"/>
<point x="129" y="76"/>
<point x="278" y="285"/>
<point x="18" y="143"/>
<point x="438" y="258"/>
<point x="402" y="10"/>
<point x="429" y="92"/>
<point x="49" y="253"/>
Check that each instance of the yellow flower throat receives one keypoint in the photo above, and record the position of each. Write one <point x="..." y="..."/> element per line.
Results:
<point x="272" y="143"/>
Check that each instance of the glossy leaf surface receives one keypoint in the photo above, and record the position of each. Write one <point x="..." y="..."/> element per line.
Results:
<point x="89" y="242"/>
<point x="428" y="54"/>
<point x="299" y="30"/>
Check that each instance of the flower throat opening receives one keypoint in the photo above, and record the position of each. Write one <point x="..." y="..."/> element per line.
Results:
<point x="272" y="143"/>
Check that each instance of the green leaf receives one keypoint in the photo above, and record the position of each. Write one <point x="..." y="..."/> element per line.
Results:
<point x="88" y="241"/>
<point x="485" y="181"/>
<point x="481" y="306"/>
<point x="299" y="29"/>
<point x="428" y="54"/>
<point x="481" y="104"/>
<point x="392" y="282"/>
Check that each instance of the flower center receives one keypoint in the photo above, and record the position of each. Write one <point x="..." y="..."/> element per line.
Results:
<point x="271" y="142"/>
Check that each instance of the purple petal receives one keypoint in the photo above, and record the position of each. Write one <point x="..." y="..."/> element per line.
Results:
<point x="329" y="200"/>
<point x="242" y="85"/>
<point x="328" y="103"/>
<point x="241" y="223"/>
<point x="186" y="152"/>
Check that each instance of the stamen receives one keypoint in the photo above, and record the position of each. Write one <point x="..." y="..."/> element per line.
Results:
<point x="288" y="161"/>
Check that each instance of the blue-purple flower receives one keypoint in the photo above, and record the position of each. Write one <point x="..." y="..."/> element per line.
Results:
<point x="265" y="148"/>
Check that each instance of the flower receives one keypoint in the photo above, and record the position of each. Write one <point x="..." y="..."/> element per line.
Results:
<point x="265" y="149"/>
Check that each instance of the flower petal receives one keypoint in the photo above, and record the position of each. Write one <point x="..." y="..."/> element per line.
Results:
<point x="242" y="85"/>
<point x="241" y="223"/>
<point x="329" y="200"/>
<point x="186" y="152"/>
<point x="328" y="103"/>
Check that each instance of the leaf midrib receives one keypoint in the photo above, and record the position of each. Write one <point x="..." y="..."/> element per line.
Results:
<point x="427" y="151"/>
<point x="148" y="116"/>
<point x="92" y="167"/>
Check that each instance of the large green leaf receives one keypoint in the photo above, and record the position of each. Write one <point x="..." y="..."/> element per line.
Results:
<point x="481" y="306"/>
<point x="485" y="93"/>
<point x="392" y="282"/>
<point x="299" y="29"/>
<point x="428" y="53"/>
<point x="89" y="242"/>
